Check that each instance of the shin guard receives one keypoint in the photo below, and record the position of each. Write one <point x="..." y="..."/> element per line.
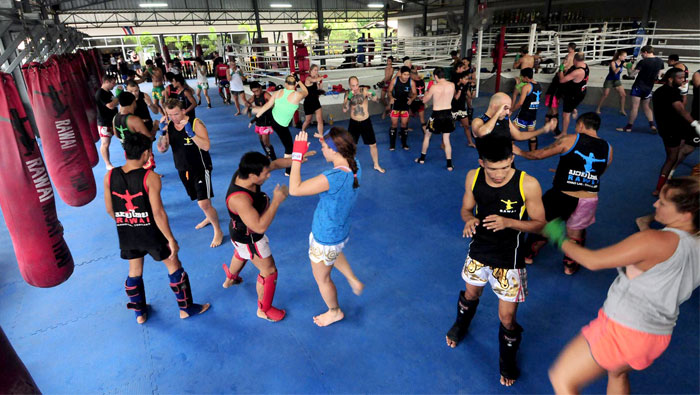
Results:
<point x="403" y="133"/>
<point x="470" y="114"/>
<point x="508" y="344"/>
<point x="269" y="284"/>
<point x="465" y="312"/>
<point x="180" y="284"/>
<point x="137" y="295"/>
<point x="392" y="138"/>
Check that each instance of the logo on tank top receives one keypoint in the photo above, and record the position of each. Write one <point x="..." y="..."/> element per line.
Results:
<point x="509" y="207"/>
<point x="131" y="216"/>
<point x="188" y="141"/>
<point x="587" y="176"/>
<point x="535" y="104"/>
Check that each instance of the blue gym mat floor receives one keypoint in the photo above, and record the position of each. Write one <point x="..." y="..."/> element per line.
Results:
<point x="405" y="245"/>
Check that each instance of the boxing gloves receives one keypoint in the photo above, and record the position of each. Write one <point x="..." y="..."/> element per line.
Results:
<point x="189" y="130"/>
<point x="118" y="91"/>
<point x="555" y="231"/>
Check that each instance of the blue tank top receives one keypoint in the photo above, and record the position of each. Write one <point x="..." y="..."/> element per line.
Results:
<point x="614" y="76"/>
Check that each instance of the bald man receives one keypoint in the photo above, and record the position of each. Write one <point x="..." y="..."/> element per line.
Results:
<point x="496" y="124"/>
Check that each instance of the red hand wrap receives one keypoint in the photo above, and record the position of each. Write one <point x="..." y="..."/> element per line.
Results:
<point x="300" y="148"/>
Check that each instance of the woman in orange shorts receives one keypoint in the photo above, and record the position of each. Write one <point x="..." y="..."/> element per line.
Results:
<point x="657" y="272"/>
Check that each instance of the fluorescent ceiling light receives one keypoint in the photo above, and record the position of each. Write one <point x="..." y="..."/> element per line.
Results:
<point x="375" y="5"/>
<point x="280" y="5"/>
<point x="153" y="5"/>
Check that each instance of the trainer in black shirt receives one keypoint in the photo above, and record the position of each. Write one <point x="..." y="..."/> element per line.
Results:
<point x="106" y="110"/>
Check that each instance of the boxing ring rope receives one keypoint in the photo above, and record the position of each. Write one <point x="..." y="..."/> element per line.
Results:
<point x="271" y="60"/>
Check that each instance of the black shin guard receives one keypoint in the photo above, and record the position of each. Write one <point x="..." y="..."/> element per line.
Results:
<point x="508" y="344"/>
<point x="465" y="312"/>
<point x="470" y="114"/>
<point x="392" y="138"/>
<point x="403" y="133"/>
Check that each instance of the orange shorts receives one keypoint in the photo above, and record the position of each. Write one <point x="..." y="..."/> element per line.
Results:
<point x="615" y="346"/>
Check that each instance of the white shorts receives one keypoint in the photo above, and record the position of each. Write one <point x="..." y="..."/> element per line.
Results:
<point x="510" y="285"/>
<point x="105" y="131"/>
<point x="323" y="253"/>
<point x="245" y="251"/>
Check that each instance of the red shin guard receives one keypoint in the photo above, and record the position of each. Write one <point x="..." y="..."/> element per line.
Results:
<point x="269" y="284"/>
<point x="662" y="181"/>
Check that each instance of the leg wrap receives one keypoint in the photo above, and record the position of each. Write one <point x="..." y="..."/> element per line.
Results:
<point x="465" y="312"/>
<point x="508" y="344"/>
<point x="470" y="114"/>
<point x="404" y="137"/>
<point x="180" y="284"/>
<point x="269" y="284"/>
<point x="234" y="276"/>
<point x="533" y="245"/>
<point x="137" y="295"/>
<point x="392" y="138"/>
<point x="271" y="152"/>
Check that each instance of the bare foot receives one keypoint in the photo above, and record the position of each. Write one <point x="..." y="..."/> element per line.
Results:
<point x="574" y="114"/>
<point x="597" y="111"/>
<point x="218" y="238"/>
<point x="232" y="281"/>
<point x="655" y="193"/>
<point x="202" y="224"/>
<point x="357" y="286"/>
<point x="379" y="169"/>
<point x="644" y="222"/>
<point x="471" y="145"/>
<point x="624" y="114"/>
<point x="451" y="343"/>
<point x="142" y="319"/>
<point x="507" y="382"/>
<point x="237" y="114"/>
<point x="329" y="317"/>
<point x="205" y="307"/>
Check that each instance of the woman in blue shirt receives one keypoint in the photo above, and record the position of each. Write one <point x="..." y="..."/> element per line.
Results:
<point x="330" y="228"/>
<point x="612" y="80"/>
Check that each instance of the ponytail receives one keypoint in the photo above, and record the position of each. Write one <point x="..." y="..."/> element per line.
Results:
<point x="353" y="166"/>
<point x="345" y="146"/>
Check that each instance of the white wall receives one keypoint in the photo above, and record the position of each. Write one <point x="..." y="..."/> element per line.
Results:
<point x="406" y="26"/>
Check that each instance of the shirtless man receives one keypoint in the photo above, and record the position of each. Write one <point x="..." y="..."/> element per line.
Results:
<point x="525" y="60"/>
<point x="440" y="122"/>
<point x="157" y="77"/>
<point x="357" y="101"/>
<point x="388" y="73"/>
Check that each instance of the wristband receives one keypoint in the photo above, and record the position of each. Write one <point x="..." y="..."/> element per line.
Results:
<point x="300" y="148"/>
<point x="561" y="67"/>
<point x="163" y="128"/>
<point x="189" y="130"/>
<point x="695" y="125"/>
<point x="118" y="91"/>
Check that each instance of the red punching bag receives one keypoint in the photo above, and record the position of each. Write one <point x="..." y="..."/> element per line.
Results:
<point x="85" y="95"/>
<point x="63" y="148"/>
<point x="97" y="61"/>
<point x="72" y="97"/>
<point x="27" y="199"/>
<point x="94" y="82"/>
<point x="14" y="377"/>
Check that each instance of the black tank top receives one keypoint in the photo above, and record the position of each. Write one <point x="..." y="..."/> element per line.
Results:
<point x="528" y="112"/>
<point x="695" y="110"/>
<point x="401" y="92"/>
<point x="237" y="229"/>
<point x="185" y="102"/>
<point x="499" y="135"/>
<point x="580" y="167"/>
<point x="461" y="103"/>
<point x="576" y="88"/>
<point x="313" y="91"/>
<point x="499" y="249"/>
<point x="265" y="119"/>
<point x="186" y="154"/>
<point x="142" y="108"/>
<point x="121" y="127"/>
<point x="136" y="226"/>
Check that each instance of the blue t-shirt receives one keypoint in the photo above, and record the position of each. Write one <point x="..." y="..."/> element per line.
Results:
<point x="331" y="225"/>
